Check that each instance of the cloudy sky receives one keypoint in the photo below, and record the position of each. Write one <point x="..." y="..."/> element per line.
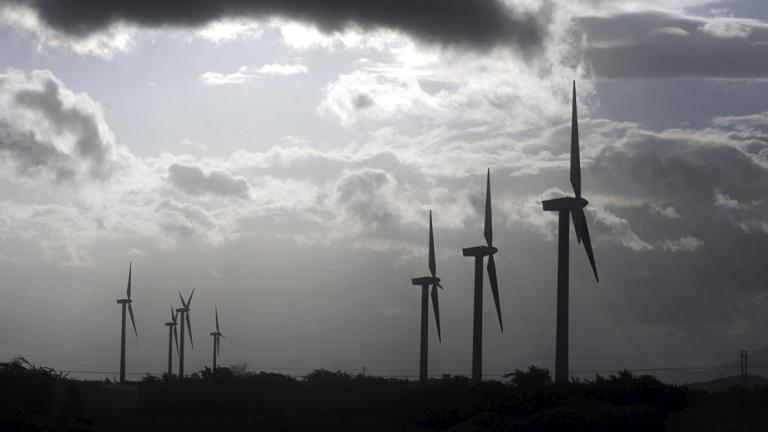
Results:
<point x="281" y="158"/>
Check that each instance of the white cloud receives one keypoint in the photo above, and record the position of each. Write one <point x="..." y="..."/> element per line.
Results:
<point x="223" y="31"/>
<point x="215" y="78"/>
<point x="301" y="36"/>
<point x="245" y="74"/>
<point x="282" y="69"/>
<point x="682" y="244"/>
<point x="730" y="27"/>
<point x="620" y="229"/>
<point x="47" y="129"/>
<point x="668" y="212"/>
<point x="193" y="180"/>
<point x="722" y="199"/>
<point x="188" y="142"/>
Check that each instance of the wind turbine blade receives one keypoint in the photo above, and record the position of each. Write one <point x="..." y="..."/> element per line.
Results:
<point x="182" y="300"/>
<point x="495" y="288"/>
<point x="216" y="309"/>
<point x="436" y="308"/>
<point x="488" y="218"/>
<point x="189" y="327"/>
<point x="587" y="242"/>
<point x="432" y="264"/>
<point x="176" y="338"/>
<point x="576" y="226"/>
<point x="575" y="159"/>
<point x="189" y="300"/>
<point x="130" y="312"/>
<point x="129" y="279"/>
<point x="218" y="347"/>
<point x="173" y="315"/>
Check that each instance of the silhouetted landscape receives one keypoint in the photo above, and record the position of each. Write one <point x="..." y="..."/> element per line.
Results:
<point x="325" y="400"/>
<point x="392" y="215"/>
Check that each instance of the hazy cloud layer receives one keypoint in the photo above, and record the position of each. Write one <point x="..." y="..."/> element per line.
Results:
<point x="352" y="226"/>
<point x="657" y="45"/>
<point x="476" y="23"/>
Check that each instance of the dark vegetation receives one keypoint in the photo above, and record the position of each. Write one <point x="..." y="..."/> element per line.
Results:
<point x="232" y="399"/>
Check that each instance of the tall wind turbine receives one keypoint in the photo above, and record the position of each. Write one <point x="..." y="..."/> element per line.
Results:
<point x="569" y="207"/>
<point x="425" y="282"/>
<point x="183" y="312"/>
<point x="173" y="335"/>
<point x="216" y="342"/>
<point x="479" y="252"/>
<point x="123" y="302"/>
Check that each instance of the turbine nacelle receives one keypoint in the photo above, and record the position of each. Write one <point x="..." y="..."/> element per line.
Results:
<point x="479" y="251"/>
<point x="124" y="301"/>
<point x="426" y="280"/>
<point x="564" y="204"/>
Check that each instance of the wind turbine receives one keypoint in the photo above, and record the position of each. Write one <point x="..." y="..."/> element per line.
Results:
<point x="183" y="311"/>
<point x="572" y="207"/>
<point x="123" y="303"/>
<point x="216" y="342"/>
<point x="425" y="282"/>
<point x="173" y="335"/>
<point x="479" y="252"/>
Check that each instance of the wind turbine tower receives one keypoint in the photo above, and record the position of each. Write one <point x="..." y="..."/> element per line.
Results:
<point x="216" y="339"/>
<point x="173" y="335"/>
<point x="569" y="208"/>
<point x="425" y="282"/>
<point x="126" y="302"/>
<point x="479" y="253"/>
<point x="183" y="312"/>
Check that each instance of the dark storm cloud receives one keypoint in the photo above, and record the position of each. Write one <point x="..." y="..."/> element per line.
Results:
<point x="194" y="181"/>
<point x="684" y="167"/>
<point x="655" y="45"/>
<point x="472" y="23"/>
<point x="717" y="236"/>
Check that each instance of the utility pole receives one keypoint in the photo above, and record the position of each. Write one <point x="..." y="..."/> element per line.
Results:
<point x="741" y="367"/>
<point x="744" y="363"/>
<point x="746" y="370"/>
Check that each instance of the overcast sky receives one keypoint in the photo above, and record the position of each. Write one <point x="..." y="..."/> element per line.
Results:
<point x="281" y="158"/>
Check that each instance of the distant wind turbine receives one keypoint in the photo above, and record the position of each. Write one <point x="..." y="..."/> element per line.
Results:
<point x="572" y="207"/>
<point x="183" y="312"/>
<point x="216" y="342"/>
<point x="124" y="302"/>
<point x="479" y="252"/>
<point x="173" y="335"/>
<point x="425" y="282"/>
